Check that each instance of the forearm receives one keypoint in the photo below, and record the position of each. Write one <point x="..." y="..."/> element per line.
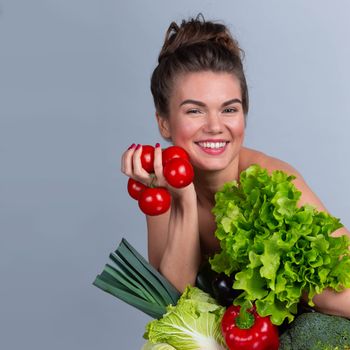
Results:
<point x="181" y="258"/>
<point x="333" y="303"/>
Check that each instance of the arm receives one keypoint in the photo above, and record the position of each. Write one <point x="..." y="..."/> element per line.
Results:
<point x="329" y="301"/>
<point x="173" y="238"/>
<point x="333" y="303"/>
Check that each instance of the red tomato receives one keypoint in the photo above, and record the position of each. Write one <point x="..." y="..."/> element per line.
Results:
<point x="154" y="201"/>
<point x="135" y="188"/>
<point x="174" y="152"/>
<point x="147" y="158"/>
<point x="178" y="172"/>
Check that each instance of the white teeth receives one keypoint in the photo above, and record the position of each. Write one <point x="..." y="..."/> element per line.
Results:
<point x="212" y="144"/>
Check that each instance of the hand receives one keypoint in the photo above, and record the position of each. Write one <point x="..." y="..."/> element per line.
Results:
<point x="131" y="165"/>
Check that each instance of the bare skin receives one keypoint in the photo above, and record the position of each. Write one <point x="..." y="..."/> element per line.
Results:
<point x="205" y="107"/>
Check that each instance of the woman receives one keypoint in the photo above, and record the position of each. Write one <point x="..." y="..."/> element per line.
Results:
<point x="201" y="99"/>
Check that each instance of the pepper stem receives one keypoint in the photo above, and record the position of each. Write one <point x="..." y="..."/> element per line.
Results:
<point x="245" y="319"/>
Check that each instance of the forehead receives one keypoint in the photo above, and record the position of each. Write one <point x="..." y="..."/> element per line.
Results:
<point x="206" y="85"/>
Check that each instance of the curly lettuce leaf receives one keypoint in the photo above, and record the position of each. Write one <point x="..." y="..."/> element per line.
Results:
<point x="276" y="249"/>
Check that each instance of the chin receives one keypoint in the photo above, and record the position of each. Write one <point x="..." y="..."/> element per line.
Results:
<point x="211" y="166"/>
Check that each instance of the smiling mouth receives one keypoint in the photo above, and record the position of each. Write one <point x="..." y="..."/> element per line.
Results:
<point x="212" y="145"/>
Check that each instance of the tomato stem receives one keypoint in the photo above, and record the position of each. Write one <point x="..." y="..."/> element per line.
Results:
<point x="153" y="177"/>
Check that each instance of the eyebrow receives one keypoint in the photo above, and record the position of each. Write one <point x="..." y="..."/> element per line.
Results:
<point x="200" y="103"/>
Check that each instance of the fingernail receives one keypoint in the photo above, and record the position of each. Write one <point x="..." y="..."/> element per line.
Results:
<point x="138" y="146"/>
<point x="157" y="144"/>
<point x="132" y="146"/>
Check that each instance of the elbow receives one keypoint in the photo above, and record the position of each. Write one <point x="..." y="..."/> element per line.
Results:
<point x="179" y="280"/>
<point x="154" y="260"/>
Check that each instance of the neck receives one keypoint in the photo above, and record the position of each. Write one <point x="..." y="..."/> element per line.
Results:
<point x="207" y="183"/>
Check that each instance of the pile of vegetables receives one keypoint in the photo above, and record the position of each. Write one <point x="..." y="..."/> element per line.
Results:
<point x="272" y="251"/>
<point x="190" y="320"/>
<point x="275" y="249"/>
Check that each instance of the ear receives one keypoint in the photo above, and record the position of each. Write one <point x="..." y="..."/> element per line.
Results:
<point x="164" y="127"/>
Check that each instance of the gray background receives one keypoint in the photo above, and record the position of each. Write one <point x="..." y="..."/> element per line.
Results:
<point x="74" y="93"/>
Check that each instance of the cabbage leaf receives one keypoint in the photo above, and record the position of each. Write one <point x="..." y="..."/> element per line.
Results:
<point x="157" y="346"/>
<point x="193" y="323"/>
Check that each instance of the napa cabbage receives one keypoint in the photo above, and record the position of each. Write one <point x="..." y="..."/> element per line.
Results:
<point x="193" y="323"/>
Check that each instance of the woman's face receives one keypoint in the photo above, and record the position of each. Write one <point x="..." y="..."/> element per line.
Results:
<point x="206" y="118"/>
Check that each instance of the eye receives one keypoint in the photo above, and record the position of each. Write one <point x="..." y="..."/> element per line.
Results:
<point x="193" y="111"/>
<point x="230" y="110"/>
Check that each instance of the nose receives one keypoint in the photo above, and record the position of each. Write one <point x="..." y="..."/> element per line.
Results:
<point x="213" y="124"/>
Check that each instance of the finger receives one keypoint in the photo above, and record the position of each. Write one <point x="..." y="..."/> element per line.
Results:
<point x="158" y="164"/>
<point x="139" y="172"/>
<point x="126" y="161"/>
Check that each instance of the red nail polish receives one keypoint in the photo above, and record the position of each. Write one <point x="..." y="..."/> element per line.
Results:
<point x="157" y="144"/>
<point x="132" y="146"/>
<point x="138" y="146"/>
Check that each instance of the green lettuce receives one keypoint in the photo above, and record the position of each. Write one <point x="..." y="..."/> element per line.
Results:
<point x="276" y="250"/>
<point x="193" y="323"/>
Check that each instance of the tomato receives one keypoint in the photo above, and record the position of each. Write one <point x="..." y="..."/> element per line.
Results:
<point x="178" y="172"/>
<point x="135" y="188"/>
<point x="154" y="201"/>
<point x="174" y="152"/>
<point x="147" y="158"/>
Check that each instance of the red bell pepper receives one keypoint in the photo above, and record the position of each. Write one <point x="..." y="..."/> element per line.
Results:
<point x="244" y="329"/>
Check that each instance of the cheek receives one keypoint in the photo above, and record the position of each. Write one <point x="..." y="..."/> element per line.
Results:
<point x="183" y="132"/>
<point x="237" y="126"/>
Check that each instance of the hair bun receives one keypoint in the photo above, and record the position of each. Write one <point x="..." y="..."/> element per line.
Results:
<point x="197" y="31"/>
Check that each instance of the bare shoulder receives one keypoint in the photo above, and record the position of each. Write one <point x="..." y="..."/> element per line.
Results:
<point x="250" y="156"/>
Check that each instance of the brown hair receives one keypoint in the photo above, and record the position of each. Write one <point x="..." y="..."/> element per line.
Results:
<point x="197" y="45"/>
